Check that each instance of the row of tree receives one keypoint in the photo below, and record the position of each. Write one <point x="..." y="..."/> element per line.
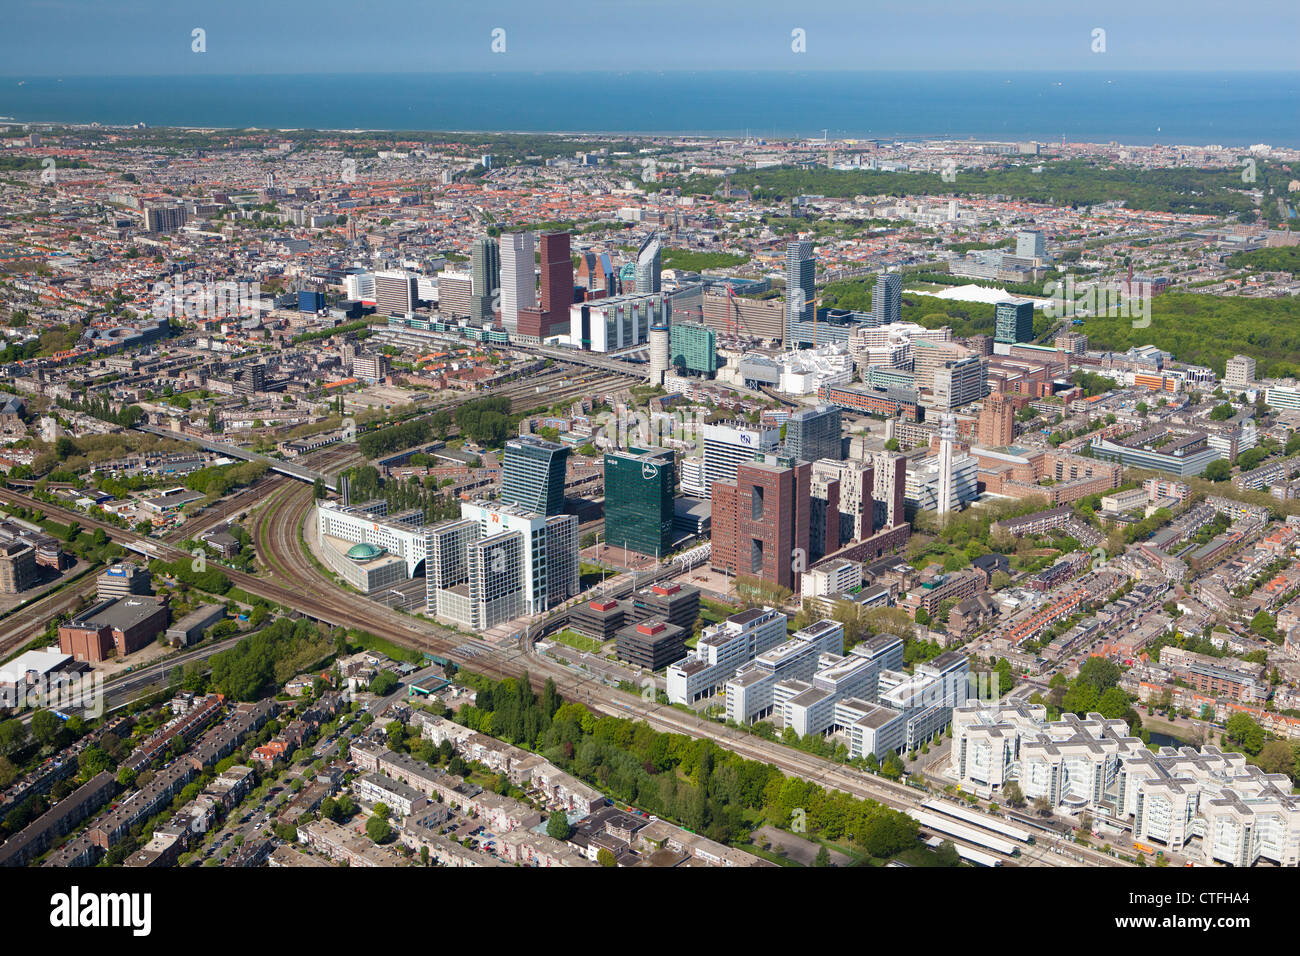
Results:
<point x="695" y="782"/>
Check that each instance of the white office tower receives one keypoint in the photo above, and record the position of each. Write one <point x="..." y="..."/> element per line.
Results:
<point x="947" y="435"/>
<point x="728" y="446"/>
<point x="518" y="277"/>
<point x="500" y="562"/>
<point x="360" y="286"/>
<point x="690" y="473"/>
<point x="659" y="349"/>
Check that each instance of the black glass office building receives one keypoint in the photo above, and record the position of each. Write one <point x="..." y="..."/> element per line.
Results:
<point x="1013" y="322"/>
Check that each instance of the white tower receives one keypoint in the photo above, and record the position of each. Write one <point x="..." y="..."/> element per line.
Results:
<point x="947" y="435"/>
<point x="658" y="351"/>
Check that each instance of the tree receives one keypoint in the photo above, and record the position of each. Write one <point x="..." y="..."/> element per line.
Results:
<point x="378" y="829"/>
<point x="1217" y="470"/>
<point x="1013" y="795"/>
<point x="605" y="858"/>
<point x="1100" y="673"/>
<point x="1043" y="807"/>
<point x="383" y="684"/>
<point x="558" y="826"/>
<point x="92" y="761"/>
<point x="1243" y="731"/>
<point x="823" y="857"/>
<point x="947" y="855"/>
<point x="1277" y="756"/>
<point x="45" y="727"/>
<point x="424" y="856"/>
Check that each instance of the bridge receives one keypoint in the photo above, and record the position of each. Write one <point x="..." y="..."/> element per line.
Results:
<point x="301" y="472"/>
<point x="597" y="360"/>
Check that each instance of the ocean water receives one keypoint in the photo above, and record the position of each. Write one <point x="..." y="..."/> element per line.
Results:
<point x="1231" y="109"/>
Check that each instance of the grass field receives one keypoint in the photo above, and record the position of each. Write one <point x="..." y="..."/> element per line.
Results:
<point x="577" y="641"/>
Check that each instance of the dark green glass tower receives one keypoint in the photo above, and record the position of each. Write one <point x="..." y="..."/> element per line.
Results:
<point x="639" y="489"/>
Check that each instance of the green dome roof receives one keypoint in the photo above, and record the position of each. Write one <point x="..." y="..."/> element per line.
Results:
<point x="364" y="552"/>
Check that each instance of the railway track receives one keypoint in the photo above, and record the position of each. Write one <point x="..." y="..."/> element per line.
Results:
<point x="228" y="507"/>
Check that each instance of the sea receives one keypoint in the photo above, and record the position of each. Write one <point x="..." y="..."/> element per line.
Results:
<point x="1133" y="108"/>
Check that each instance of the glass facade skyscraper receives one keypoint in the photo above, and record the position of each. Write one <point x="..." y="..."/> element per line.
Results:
<point x="1013" y="322"/>
<point x="648" y="264"/>
<point x="532" y="475"/>
<point x="814" y="433"/>
<point x="800" y="285"/>
<point x="639" y="488"/>
<point x="693" y="348"/>
<point x="887" y="299"/>
<point x="486" y="278"/>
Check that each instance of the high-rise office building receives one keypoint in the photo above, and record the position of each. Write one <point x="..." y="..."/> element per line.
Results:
<point x="889" y="491"/>
<point x="1030" y="244"/>
<point x="518" y="278"/>
<point x="693" y="349"/>
<point x="596" y="272"/>
<point x="1013" y="322"/>
<point x="547" y="543"/>
<point x="163" y="219"/>
<point x="395" y="292"/>
<point x="762" y="521"/>
<point x="960" y="382"/>
<point x="620" y="322"/>
<point x="856" y="480"/>
<point x="800" y="285"/>
<point x="727" y="446"/>
<point x="499" y="562"/>
<point x="648" y="263"/>
<point x="562" y="576"/>
<point x="551" y="316"/>
<point x="639" y="490"/>
<point x="532" y="475"/>
<point x="823" y="515"/>
<point x="659" y="348"/>
<point x="997" y="421"/>
<point x="455" y="295"/>
<point x="485" y="272"/>
<point x="1239" y="371"/>
<point x="887" y="299"/>
<point x="813" y="433"/>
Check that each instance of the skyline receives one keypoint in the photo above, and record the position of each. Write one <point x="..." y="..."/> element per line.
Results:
<point x="78" y="38"/>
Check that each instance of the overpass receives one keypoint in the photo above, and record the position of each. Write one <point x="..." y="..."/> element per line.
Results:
<point x="301" y="472"/>
<point x="598" y="360"/>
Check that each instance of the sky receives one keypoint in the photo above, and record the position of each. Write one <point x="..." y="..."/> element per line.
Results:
<point x="151" y="37"/>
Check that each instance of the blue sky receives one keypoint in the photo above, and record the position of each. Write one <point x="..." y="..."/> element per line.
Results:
<point x="94" y="37"/>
